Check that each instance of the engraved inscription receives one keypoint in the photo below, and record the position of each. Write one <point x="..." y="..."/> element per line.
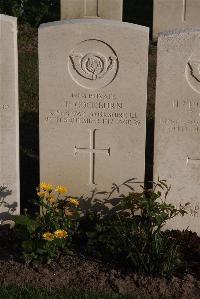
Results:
<point x="180" y="125"/>
<point x="93" y="64"/>
<point x="95" y="109"/>
<point x="94" y="96"/>
<point x="4" y="107"/>
<point x="187" y="106"/>
<point x="184" y="117"/>
<point x="92" y="151"/>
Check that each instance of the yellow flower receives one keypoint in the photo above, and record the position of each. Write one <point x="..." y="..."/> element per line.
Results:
<point x="60" y="233"/>
<point x="52" y="200"/>
<point x="68" y="213"/>
<point x="48" y="236"/>
<point x="46" y="187"/>
<point x="43" y="186"/>
<point x="61" y="189"/>
<point x="73" y="201"/>
<point x="41" y="194"/>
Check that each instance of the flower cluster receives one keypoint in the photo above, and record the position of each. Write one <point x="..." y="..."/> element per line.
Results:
<point x="73" y="201"/>
<point x="52" y="230"/>
<point x="58" y="210"/>
<point x="59" y="234"/>
<point x="48" y="191"/>
<point x="52" y="195"/>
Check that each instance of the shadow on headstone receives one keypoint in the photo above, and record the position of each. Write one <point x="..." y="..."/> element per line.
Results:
<point x="9" y="208"/>
<point x="108" y="203"/>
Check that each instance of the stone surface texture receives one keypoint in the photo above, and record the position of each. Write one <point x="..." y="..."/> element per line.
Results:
<point x="172" y="14"/>
<point x="9" y="119"/>
<point x="177" y="126"/>
<point x="105" y="9"/>
<point x="93" y="91"/>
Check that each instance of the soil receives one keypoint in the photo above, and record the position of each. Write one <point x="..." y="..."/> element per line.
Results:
<point x="88" y="274"/>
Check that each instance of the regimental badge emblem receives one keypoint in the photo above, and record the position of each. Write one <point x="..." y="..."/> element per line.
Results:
<point x="193" y="73"/>
<point x="195" y="69"/>
<point x="93" y="64"/>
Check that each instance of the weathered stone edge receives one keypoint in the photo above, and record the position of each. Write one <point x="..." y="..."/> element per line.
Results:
<point x="95" y="22"/>
<point x="8" y="18"/>
<point x="179" y="31"/>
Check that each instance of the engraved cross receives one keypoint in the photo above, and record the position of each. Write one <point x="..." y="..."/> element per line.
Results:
<point x="192" y="160"/>
<point x="92" y="151"/>
<point x="184" y="10"/>
<point x="91" y="8"/>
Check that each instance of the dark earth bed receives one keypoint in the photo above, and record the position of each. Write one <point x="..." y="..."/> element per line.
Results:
<point x="87" y="274"/>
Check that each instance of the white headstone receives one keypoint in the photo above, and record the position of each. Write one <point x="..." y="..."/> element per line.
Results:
<point x="177" y="127"/>
<point x="105" y="9"/>
<point x="171" y="14"/>
<point x="93" y="91"/>
<point x="9" y="119"/>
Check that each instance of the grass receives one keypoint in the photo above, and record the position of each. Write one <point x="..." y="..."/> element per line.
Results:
<point x="29" y="292"/>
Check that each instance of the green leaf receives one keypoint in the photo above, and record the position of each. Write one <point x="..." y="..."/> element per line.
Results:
<point x="30" y="224"/>
<point x="27" y="245"/>
<point x="20" y="219"/>
<point x="91" y="235"/>
<point x="40" y="251"/>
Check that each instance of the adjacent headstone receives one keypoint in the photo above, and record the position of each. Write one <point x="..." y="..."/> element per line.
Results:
<point x="9" y="121"/>
<point x="93" y="91"/>
<point x="177" y="126"/>
<point x="105" y="9"/>
<point x="171" y="14"/>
